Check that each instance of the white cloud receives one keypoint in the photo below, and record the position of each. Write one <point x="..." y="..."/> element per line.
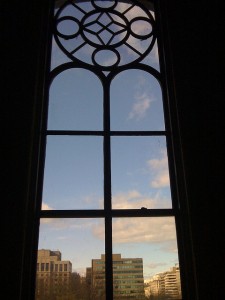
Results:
<point x="81" y="271"/>
<point x="45" y="206"/>
<point x="140" y="230"/>
<point x="134" y="200"/>
<point x="92" y="201"/>
<point x="140" y="107"/>
<point x="46" y="221"/>
<point x="162" y="180"/>
<point x="154" y="265"/>
<point x="109" y="61"/>
<point x="159" y="167"/>
<point x="60" y="224"/>
<point x="156" y="230"/>
<point x="170" y="247"/>
<point x="143" y="97"/>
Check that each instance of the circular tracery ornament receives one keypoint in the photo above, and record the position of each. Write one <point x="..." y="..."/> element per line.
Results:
<point x="114" y="33"/>
<point x="105" y="28"/>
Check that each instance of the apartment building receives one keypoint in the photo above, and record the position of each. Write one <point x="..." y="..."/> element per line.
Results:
<point x="53" y="279"/>
<point x="128" y="281"/>
<point x="165" y="285"/>
<point x="172" y="283"/>
<point x="156" y="286"/>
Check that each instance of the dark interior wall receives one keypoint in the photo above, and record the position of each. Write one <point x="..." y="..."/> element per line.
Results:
<point x="23" y="40"/>
<point x="194" y="38"/>
<point x="22" y="35"/>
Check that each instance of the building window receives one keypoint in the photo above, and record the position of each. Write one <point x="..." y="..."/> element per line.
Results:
<point x="42" y="267"/>
<point x="51" y="266"/>
<point x="109" y="185"/>
<point x="47" y="267"/>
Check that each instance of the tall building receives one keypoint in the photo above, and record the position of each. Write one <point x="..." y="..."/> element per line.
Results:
<point x="128" y="280"/>
<point x="165" y="285"/>
<point x="172" y="283"/>
<point x="53" y="280"/>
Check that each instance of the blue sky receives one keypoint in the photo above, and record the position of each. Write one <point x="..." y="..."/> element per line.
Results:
<point x="74" y="165"/>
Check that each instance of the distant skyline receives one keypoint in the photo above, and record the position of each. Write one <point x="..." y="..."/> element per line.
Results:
<point x="73" y="176"/>
<point x="131" y="238"/>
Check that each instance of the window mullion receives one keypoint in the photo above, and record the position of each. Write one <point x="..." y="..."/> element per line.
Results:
<point x="107" y="192"/>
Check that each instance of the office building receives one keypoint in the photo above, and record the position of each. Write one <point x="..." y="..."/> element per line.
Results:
<point x="53" y="279"/>
<point x="128" y="281"/>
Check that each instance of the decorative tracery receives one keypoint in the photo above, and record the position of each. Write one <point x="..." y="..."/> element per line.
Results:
<point x="111" y="32"/>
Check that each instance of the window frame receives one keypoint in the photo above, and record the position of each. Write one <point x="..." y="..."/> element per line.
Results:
<point x="176" y="165"/>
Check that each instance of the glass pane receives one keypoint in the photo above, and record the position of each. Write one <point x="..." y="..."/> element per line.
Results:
<point x="136" y="102"/>
<point x="152" y="59"/>
<point x="146" y="259"/>
<point x="140" y="176"/>
<point x="73" y="173"/>
<point x="64" y="265"/>
<point x="75" y="101"/>
<point x="57" y="57"/>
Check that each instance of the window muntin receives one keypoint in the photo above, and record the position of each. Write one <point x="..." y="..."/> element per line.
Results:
<point x="106" y="60"/>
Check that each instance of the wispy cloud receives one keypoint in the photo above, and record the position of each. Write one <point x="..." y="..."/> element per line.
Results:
<point x="170" y="247"/>
<point x="109" y="61"/>
<point x="159" y="167"/>
<point x="61" y="224"/>
<point x="154" y="265"/>
<point x="140" y="107"/>
<point x="143" y="98"/>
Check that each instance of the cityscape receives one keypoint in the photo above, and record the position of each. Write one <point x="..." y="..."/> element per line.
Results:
<point x="56" y="279"/>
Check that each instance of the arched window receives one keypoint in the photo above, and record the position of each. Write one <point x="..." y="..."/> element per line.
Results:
<point x="110" y="207"/>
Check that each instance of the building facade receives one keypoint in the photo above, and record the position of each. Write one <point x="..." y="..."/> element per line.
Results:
<point x="128" y="280"/>
<point x="155" y="286"/>
<point x="165" y="285"/>
<point x="172" y="283"/>
<point x="53" y="279"/>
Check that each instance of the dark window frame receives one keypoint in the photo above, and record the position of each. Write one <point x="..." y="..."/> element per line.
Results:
<point x="182" y="229"/>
